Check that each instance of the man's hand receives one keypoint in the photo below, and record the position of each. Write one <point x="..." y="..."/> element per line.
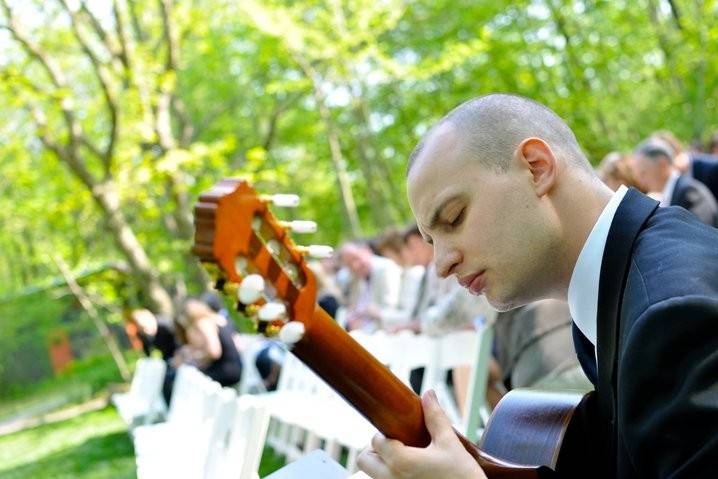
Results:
<point x="445" y="457"/>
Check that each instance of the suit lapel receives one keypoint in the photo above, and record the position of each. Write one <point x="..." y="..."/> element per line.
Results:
<point x="630" y="217"/>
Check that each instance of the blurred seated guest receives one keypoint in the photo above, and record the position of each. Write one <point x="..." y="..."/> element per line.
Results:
<point x="269" y="364"/>
<point x="655" y="172"/>
<point x="391" y="245"/>
<point x="373" y="286"/>
<point x="153" y="332"/>
<point x="534" y="348"/>
<point x="209" y="346"/>
<point x="328" y="292"/>
<point x="700" y="166"/>
<point x="615" y="170"/>
<point x="215" y="302"/>
<point x="223" y="319"/>
<point x="713" y="144"/>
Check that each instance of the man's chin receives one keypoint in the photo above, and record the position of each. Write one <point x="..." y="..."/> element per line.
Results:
<point x="502" y="304"/>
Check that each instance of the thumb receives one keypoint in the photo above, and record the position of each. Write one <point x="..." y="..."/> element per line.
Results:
<point x="435" y="419"/>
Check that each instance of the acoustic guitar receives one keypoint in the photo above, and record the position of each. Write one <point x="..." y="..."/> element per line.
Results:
<point x="238" y="238"/>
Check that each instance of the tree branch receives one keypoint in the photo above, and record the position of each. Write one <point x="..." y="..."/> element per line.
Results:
<point x="89" y="308"/>
<point x="104" y="82"/>
<point x="139" y="33"/>
<point x="56" y="76"/>
<point x="97" y="27"/>
<point x="121" y="34"/>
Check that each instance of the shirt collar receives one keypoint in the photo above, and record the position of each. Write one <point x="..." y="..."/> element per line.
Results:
<point x="583" y="288"/>
<point x="668" y="189"/>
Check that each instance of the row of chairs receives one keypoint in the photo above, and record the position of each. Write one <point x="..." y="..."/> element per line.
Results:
<point x="209" y="432"/>
<point x="307" y="414"/>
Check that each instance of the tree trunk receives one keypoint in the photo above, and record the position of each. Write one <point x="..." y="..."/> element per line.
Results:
<point x="147" y="277"/>
<point x="338" y="161"/>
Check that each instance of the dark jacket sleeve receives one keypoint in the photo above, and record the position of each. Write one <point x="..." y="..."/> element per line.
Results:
<point x="697" y="198"/>
<point x="668" y="389"/>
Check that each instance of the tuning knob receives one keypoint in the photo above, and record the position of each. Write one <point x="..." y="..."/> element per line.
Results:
<point x="316" y="251"/>
<point x="291" y="333"/>
<point x="250" y="289"/>
<point x="271" y="312"/>
<point x="282" y="200"/>
<point x="300" y="226"/>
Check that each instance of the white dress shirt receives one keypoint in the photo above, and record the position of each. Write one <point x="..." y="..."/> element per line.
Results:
<point x="583" y="288"/>
<point x="668" y="189"/>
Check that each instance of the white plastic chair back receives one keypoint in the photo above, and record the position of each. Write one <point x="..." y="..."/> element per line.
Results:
<point x="220" y="433"/>
<point x="189" y="396"/>
<point x="477" y="410"/>
<point x="409" y="351"/>
<point x="246" y="441"/>
<point x="144" y="398"/>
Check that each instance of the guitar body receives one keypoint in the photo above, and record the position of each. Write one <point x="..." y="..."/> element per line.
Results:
<point x="237" y="235"/>
<point x="538" y="428"/>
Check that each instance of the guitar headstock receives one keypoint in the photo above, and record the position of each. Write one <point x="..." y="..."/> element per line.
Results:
<point x="250" y="255"/>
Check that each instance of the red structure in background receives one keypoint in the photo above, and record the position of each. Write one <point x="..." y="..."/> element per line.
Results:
<point x="60" y="350"/>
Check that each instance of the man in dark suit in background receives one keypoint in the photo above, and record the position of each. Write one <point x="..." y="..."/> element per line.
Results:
<point x="656" y="172"/>
<point x="514" y="210"/>
<point x="700" y="166"/>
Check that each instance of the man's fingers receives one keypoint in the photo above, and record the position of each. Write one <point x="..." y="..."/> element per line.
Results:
<point x="436" y="421"/>
<point x="387" y="449"/>
<point x="371" y="464"/>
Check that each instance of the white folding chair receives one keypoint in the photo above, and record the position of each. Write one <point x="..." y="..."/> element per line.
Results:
<point x="245" y="441"/>
<point x="193" y="398"/>
<point x="196" y="452"/>
<point x="477" y="409"/>
<point x="143" y="403"/>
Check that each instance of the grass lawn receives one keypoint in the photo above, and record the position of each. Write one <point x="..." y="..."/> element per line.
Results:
<point x="94" y="445"/>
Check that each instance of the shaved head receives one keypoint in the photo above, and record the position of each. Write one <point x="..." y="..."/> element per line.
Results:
<point x="490" y="128"/>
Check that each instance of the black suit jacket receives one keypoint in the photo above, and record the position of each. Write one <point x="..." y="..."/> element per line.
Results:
<point x="704" y="168"/>
<point x="656" y="408"/>
<point x="696" y="198"/>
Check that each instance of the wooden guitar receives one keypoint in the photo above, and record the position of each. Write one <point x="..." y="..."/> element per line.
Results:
<point x="237" y="235"/>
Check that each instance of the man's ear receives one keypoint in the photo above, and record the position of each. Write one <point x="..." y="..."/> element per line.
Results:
<point x="538" y="157"/>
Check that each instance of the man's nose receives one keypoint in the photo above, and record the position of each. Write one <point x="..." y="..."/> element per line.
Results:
<point x="446" y="259"/>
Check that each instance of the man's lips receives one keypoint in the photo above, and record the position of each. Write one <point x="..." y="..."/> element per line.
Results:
<point x="475" y="282"/>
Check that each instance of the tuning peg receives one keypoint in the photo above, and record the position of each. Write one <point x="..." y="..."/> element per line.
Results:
<point x="300" y="226"/>
<point x="291" y="333"/>
<point x="316" y="251"/>
<point x="282" y="200"/>
<point x="250" y="289"/>
<point x="271" y="312"/>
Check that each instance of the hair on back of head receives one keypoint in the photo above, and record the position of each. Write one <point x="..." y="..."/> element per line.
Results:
<point x="655" y="149"/>
<point x="492" y="126"/>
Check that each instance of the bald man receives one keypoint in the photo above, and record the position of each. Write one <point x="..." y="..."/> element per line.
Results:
<point x="514" y="210"/>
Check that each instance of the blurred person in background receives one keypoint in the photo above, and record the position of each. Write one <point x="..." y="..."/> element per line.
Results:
<point x="713" y="144"/>
<point x="153" y="332"/>
<point x="534" y="348"/>
<point x="208" y="347"/>
<point x="700" y="166"/>
<point x="615" y="170"/>
<point x="391" y="245"/>
<point x="655" y="172"/>
<point x="373" y="286"/>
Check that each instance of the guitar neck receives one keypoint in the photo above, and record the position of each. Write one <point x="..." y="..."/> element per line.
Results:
<point x="376" y="393"/>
